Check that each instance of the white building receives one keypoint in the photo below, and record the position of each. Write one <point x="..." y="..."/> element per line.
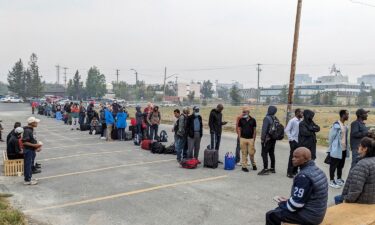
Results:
<point x="184" y="89"/>
<point x="303" y="79"/>
<point x="367" y="79"/>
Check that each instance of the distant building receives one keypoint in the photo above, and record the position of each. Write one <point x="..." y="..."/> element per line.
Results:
<point x="332" y="79"/>
<point x="303" y="79"/>
<point x="367" y="79"/>
<point x="184" y="89"/>
<point x="249" y="93"/>
<point x="272" y="93"/>
<point x="226" y="86"/>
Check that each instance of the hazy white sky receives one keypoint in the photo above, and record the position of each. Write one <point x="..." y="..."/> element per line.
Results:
<point x="198" y="39"/>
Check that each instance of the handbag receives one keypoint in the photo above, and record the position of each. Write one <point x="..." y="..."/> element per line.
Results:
<point x="327" y="159"/>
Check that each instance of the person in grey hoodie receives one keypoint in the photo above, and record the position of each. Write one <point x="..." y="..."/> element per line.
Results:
<point x="268" y="144"/>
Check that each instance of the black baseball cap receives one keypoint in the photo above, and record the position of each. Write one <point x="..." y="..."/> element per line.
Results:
<point x="361" y="112"/>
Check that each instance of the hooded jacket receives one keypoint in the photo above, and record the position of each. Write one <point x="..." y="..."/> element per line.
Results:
<point x="267" y="122"/>
<point x="139" y="116"/>
<point x="121" y="120"/>
<point x="215" y="121"/>
<point x="190" y="125"/>
<point x="307" y="132"/>
<point x="335" y="145"/>
<point x="108" y="117"/>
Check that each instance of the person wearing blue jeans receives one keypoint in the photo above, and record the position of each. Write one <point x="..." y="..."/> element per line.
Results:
<point x="31" y="145"/>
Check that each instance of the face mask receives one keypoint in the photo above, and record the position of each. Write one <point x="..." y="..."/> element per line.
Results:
<point x="245" y="116"/>
<point x="196" y="113"/>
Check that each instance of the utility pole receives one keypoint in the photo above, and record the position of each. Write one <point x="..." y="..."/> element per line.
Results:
<point x="117" y="73"/>
<point x="165" y="79"/>
<point x="65" y="68"/>
<point x="294" y="61"/>
<point x="258" y="90"/>
<point x="58" y="73"/>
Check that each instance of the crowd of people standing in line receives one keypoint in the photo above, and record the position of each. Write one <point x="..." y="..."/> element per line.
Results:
<point x="308" y="201"/>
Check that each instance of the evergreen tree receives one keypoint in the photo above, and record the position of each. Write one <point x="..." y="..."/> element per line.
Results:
<point x="95" y="83"/>
<point x="206" y="89"/>
<point x="35" y="87"/>
<point x="283" y="96"/>
<point x="16" y="79"/>
<point x="235" y="95"/>
<point x="191" y="97"/>
<point x="75" y="87"/>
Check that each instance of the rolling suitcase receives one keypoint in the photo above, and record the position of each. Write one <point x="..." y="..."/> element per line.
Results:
<point x="211" y="158"/>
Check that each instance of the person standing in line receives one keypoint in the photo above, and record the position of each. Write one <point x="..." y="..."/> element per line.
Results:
<point x="82" y="113"/>
<point x="139" y="120"/>
<point x="181" y="134"/>
<point x="247" y="133"/>
<point x="292" y="130"/>
<point x="194" y="127"/>
<point x="75" y="116"/>
<point x="358" y="130"/>
<point x="238" y="147"/>
<point x="121" y="124"/>
<point x="115" y="108"/>
<point x="309" y="194"/>
<point x="177" y="115"/>
<point x="338" y="143"/>
<point x="268" y="144"/>
<point x="103" y="122"/>
<point x="216" y="124"/>
<point x="153" y="120"/>
<point x="31" y="145"/>
<point x="109" y="121"/>
<point x="307" y="132"/>
<point x="90" y="112"/>
<point x="147" y="112"/>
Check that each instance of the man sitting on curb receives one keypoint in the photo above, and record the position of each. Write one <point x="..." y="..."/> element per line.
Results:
<point x="309" y="194"/>
<point x="15" y="147"/>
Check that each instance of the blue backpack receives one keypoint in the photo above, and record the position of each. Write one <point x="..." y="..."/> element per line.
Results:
<point x="229" y="161"/>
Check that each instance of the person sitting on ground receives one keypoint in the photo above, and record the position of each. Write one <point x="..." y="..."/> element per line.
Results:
<point x="11" y="133"/>
<point x="94" y="126"/>
<point x="360" y="185"/>
<point x="15" y="146"/>
<point x="309" y="194"/>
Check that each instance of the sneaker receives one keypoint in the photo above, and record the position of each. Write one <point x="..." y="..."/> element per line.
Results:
<point x="245" y="170"/>
<point x="77" y="129"/>
<point x="38" y="165"/>
<point x="239" y="164"/>
<point x="94" y="132"/>
<point x="333" y="184"/>
<point x="32" y="182"/>
<point x="103" y="138"/>
<point x="264" y="172"/>
<point x="340" y="182"/>
<point x="272" y="170"/>
<point x="36" y="171"/>
<point x="255" y="167"/>
<point x="290" y="175"/>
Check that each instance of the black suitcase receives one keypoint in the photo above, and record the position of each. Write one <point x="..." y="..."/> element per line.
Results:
<point x="211" y="158"/>
<point x="114" y="134"/>
<point x="157" y="148"/>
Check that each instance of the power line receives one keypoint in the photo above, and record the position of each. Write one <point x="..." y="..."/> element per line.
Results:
<point x="362" y="3"/>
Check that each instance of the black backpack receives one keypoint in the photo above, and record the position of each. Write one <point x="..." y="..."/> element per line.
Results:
<point x="170" y="149"/>
<point x="157" y="148"/>
<point x="276" y="131"/>
<point x="163" y="136"/>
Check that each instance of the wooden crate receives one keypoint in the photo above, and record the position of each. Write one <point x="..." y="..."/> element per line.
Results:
<point x="12" y="167"/>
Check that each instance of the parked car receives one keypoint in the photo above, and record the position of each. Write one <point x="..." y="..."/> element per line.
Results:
<point x="11" y="100"/>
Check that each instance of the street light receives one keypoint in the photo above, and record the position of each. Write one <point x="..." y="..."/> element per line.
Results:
<point x="136" y="76"/>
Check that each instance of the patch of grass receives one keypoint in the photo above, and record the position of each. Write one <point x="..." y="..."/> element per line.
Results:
<point x="9" y="216"/>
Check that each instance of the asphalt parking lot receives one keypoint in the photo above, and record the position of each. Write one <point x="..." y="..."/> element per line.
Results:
<point x="86" y="180"/>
